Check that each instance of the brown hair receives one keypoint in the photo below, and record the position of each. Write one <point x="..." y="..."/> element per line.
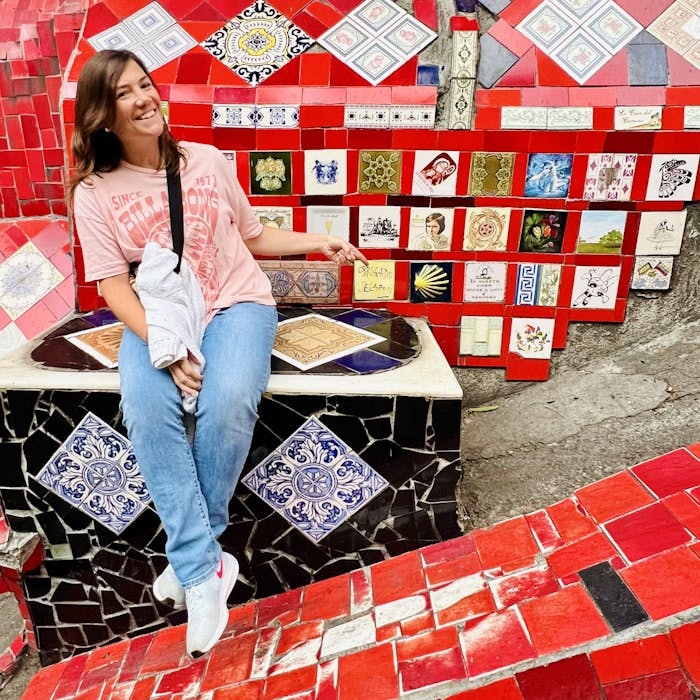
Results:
<point x="96" y="150"/>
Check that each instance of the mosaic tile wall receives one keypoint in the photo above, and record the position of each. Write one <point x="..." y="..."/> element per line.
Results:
<point x="464" y="167"/>
<point x="70" y="476"/>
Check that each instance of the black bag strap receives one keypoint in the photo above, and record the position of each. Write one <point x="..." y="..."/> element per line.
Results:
<point x="176" y="217"/>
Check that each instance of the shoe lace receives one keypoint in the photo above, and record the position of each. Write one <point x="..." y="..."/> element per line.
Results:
<point x="195" y="598"/>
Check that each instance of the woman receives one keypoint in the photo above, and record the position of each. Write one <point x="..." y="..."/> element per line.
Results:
<point x="434" y="238"/>
<point x="122" y="150"/>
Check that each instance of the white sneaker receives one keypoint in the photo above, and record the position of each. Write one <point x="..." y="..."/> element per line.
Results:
<point x="167" y="589"/>
<point x="207" y="613"/>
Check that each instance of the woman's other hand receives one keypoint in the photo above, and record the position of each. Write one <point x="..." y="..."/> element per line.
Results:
<point x="340" y="251"/>
<point x="187" y="375"/>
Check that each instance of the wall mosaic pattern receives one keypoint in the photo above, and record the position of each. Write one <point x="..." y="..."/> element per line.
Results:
<point x="589" y="106"/>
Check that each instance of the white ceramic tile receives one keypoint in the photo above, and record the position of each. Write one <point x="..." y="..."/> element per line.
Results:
<point x="240" y="115"/>
<point x="652" y="272"/>
<point x="609" y="176"/>
<point x="580" y="56"/>
<point x="672" y="177"/>
<point x="486" y="228"/>
<point x="367" y="116"/>
<point x="569" y="117"/>
<point x="661" y="232"/>
<point x="278" y="116"/>
<point x="485" y="282"/>
<point x="326" y="171"/>
<point x="548" y="25"/>
<point x="461" y="103"/>
<point x="330" y="220"/>
<point x="430" y="228"/>
<point x="691" y="117"/>
<point x="412" y="116"/>
<point x="353" y="634"/>
<point x="435" y="172"/>
<point x="523" y="118"/>
<point x="638" y="118"/>
<point x="379" y="226"/>
<point x="481" y="336"/>
<point x="532" y="337"/>
<point x="611" y="27"/>
<point x="595" y="287"/>
<point x="11" y="338"/>
<point x="275" y="217"/>
<point x="465" y="54"/>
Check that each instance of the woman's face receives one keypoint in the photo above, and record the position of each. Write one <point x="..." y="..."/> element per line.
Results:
<point x="432" y="228"/>
<point x="137" y="114"/>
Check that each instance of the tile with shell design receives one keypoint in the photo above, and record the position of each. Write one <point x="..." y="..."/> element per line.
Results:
<point x="270" y="172"/>
<point x="430" y="281"/>
<point x="379" y="172"/>
<point x="491" y="174"/>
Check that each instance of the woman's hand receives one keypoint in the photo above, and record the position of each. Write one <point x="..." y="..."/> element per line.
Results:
<point x="187" y="375"/>
<point x="340" y="251"/>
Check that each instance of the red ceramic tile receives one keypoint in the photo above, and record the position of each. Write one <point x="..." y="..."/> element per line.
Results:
<point x="429" y="643"/>
<point x="283" y="685"/>
<point x="614" y="72"/>
<point x="581" y="554"/>
<point x="495" y="642"/>
<point x="514" y="589"/>
<point x="469" y="607"/>
<point x="397" y="578"/>
<point x="511" y="38"/>
<point x="166" y="651"/>
<point x="681" y="72"/>
<point x="355" y="682"/>
<point x="563" y="619"/>
<point x="686" y="640"/>
<point x="670" y="473"/>
<point x="433" y="670"/>
<point x="667" y="583"/>
<point x="231" y="661"/>
<point x="283" y="608"/>
<point x="506" y="689"/>
<point x="671" y="685"/>
<point x="686" y="510"/>
<point x="505" y="542"/>
<point x="645" y="11"/>
<point x="327" y="600"/>
<point x="547" y="682"/>
<point x="648" y="531"/>
<point x="517" y="11"/>
<point x="522" y="74"/>
<point x="446" y="551"/>
<point x="452" y="570"/>
<point x="641" y="657"/>
<point x="571" y="521"/>
<point x="182" y="680"/>
<point x="618" y="494"/>
<point x="418" y="624"/>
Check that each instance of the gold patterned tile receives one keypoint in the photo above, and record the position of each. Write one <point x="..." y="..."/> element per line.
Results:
<point x="101" y="343"/>
<point x="302" y="282"/>
<point x="311" y="340"/>
<point x="379" y="172"/>
<point x="486" y="228"/>
<point x="491" y="174"/>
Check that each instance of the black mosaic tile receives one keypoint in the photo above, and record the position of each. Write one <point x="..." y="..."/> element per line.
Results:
<point x="78" y="569"/>
<point x="42" y="614"/>
<point x="416" y="526"/>
<point x="348" y="428"/>
<point x="143" y="614"/>
<point x="138" y="570"/>
<point x="96" y="634"/>
<point x="371" y="556"/>
<point x="47" y="637"/>
<point x="141" y="530"/>
<point x="57" y="426"/>
<point x="20" y="523"/>
<point x="447" y="421"/>
<point x="78" y="613"/>
<point x="279" y="419"/>
<point x="378" y="428"/>
<point x="62" y="354"/>
<point x="403" y="200"/>
<point x="305" y="551"/>
<point x="394" y="350"/>
<point x="11" y="460"/>
<point x="346" y="539"/>
<point x="375" y="512"/>
<point x="68" y="593"/>
<point x="615" y="600"/>
<point x="14" y="499"/>
<point x="38" y="449"/>
<point x="362" y="406"/>
<point x="75" y="519"/>
<point x="321" y="199"/>
<point x="304" y="405"/>
<point x="104" y="405"/>
<point x="109" y="601"/>
<point x="37" y="586"/>
<point x="294" y="575"/>
<point x="109" y="561"/>
<point x="338" y="568"/>
<point x="444" y="485"/>
<point x="119" y="624"/>
<point x="72" y="326"/>
<point x="404" y="502"/>
<point x="52" y="527"/>
<point x="410" y="421"/>
<point x="21" y="405"/>
<point x="445" y="519"/>
<point x="125" y="588"/>
<point x="36" y="500"/>
<point x="267" y="581"/>
<point x="393" y="462"/>
<point x="403" y="545"/>
<point x="79" y="543"/>
<point x="47" y="657"/>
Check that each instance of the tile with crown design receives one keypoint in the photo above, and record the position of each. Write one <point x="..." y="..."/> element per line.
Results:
<point x="315" y="481"/>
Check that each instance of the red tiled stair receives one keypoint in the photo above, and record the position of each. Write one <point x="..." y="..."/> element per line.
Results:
<point x="597" y="596"/>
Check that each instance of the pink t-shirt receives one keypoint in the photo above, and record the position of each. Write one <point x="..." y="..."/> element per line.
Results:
<point x="118" y="212"/>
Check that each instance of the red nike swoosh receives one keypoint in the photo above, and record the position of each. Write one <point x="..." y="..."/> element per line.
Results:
<point x="220" y="572"/>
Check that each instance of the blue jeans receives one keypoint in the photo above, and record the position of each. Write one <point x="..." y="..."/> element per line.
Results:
<point x="192" y="481"/>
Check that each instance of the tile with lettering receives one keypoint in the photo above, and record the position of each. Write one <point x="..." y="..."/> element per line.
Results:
<point x="672" y="177"/>
<point x="486" y="228"/>
<point x="330" y="220"/>
<point x="638" y="118"/>
<point x="374" y="282"/>
<point x="601" y="231"/>
<point x="652" y="272"/>
<point x="481" y="336"/>
<point x="532" y="337"/>
<point x="661" y="232"/>
<point x="595" y="287"/>
<point x="435" y="172"/>
<point x="379" y="227"/>
<point x="430" y="229"/>
<point x="485" y="281"/>
<point x="326" y="171"/>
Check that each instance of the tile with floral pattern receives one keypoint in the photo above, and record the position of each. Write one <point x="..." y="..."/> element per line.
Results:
<point x="532" y="337"/>
<point x="270" y="172"/>
<point x="491" y="174"/>
<point x="379" y="172"/>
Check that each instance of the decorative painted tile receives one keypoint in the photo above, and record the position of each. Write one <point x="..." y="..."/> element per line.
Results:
<point x="465" y="54"/>
<point x="611" y="27"/>
<point x="367" y="116"/>
<point x="278" y="116"/>
<point x="270" y="173"/>
<point x="486" y="228"/>
<point x="379" y="227"/>
<point x="652" y="272"/>
<point x="151" y="33"/>
<point x="329" y="220"/>
<point x="376" y="38"/>
<point x="315" y="481"/>
<point x="609" y="176"/>
<point x="374" y="282"/>
<point x="379" y="172"/>
<point x="95" y="470"/>
<point x="481" y="336"/>
<point x="542" y="231"/>
<point x="246" y="116"/>
<point x="310" y="340"/>
<point x="677" y="27"/>
<point x="275" y="217"/>
<point x="595" y="287"/>
<point x="412" y="117"/>
<point x="672" y="177"/>
<point x="326" y="172"/>
<point x="302" y="282"/>
<point x="601" y="231"/>
<point x="547" y="26"/>
<point x="485" y="282"/>
<point x="532" y="337"/>
<point x="257" y="42"/>
<point x="638" y="118"/>
<point x="569" y="117"/>
<point x="661" y="232"/>
<point x="580" y="56"/>
<point x="523" y="118"/>
<point x="430" y="229"/>
<point x="26" y="277"/>
<point x="461" y="103"/>
<point x="491" y="174"/>
<point x="101" y="343"/>
<point x="430" y="282"/>
<point x="537" y="284"/>
<point x="548" y="175"/>
<point x="435" y="172"/>
<point x="691" y="117"/>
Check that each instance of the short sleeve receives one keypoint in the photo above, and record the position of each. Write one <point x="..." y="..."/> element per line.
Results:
<point x="102" y="254"/>
<point x="247" y="222"/>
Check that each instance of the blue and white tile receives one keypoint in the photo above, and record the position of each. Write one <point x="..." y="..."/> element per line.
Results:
<point x="580" y="56"/>
<point x="315" y="481"/>
<point x="326" y="171"/>
<point x="96" y="471"/>
<point x="257" y="42"/>
<point x="279" y="116"/>
<point x="367" y="116"/>
<point x="232" y="116"/>
<point x="578" y="8"/>
<point x="547" y="26"/>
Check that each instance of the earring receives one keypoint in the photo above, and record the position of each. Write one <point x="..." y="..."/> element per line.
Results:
<point x="107" y="130"/>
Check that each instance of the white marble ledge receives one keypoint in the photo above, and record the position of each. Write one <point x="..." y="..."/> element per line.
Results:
<point x="427" y="375"/>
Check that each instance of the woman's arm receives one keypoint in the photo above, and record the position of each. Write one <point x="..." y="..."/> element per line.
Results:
<point x="274" y="241"/>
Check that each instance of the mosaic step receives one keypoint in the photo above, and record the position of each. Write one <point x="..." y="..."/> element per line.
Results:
<point x="594" y="597"/>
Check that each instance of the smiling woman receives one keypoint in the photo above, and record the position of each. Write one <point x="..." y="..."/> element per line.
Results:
<point x="198" y="338"/>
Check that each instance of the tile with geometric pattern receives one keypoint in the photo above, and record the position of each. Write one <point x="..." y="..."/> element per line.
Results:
<point x="96" y="471"/>
<point x="151" y="33"/>
<point x="314" y="480"/>
<point x="679" y="28"/>
<point x="311" y="340"/>
<point x="376" y="38"/>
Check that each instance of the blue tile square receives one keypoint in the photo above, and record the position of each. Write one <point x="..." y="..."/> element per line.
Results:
<point x="428" y="74"/>
<point x="359" y="318"/>
<point x="366" y="361"/>
<point x="314" y="480"/>
<point x="96" y="471"/>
